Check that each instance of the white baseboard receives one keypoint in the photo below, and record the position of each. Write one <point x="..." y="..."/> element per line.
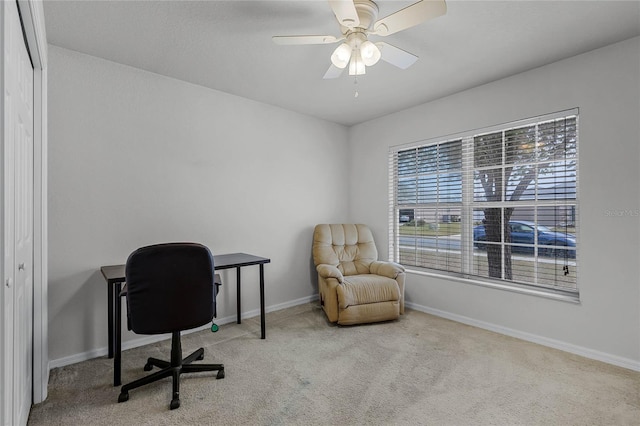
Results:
<point x="278" y="307"/>
<point x="556" y="344"/>
<point x="147" y="340"/>
<point x="552" y="343"/>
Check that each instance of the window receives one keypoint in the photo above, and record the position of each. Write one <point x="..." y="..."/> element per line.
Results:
<point x="496" y="205"/>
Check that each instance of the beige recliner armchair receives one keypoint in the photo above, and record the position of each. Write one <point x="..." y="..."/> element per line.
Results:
<point x="354" y="286"/>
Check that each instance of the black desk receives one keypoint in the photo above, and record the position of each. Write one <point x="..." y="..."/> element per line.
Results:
<point x="115" y="277"/>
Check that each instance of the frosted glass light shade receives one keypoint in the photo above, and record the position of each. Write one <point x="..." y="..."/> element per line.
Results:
<point x="342" y="54"/>
<point x="356" y="66"/>
<point x="370" y="53"/>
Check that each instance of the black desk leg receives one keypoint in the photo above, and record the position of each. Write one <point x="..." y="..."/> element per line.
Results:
<point x="262" y="325"/>
<point x="117" y="359"/>
<point x="238" y="294"/>
<point x="110" y="297"/>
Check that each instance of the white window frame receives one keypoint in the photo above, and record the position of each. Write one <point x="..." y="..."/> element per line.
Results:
<point x="465" y="274"/>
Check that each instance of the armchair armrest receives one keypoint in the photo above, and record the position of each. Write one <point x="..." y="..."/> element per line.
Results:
<point x="386" y="269"/>
<point x="329" y="271"/>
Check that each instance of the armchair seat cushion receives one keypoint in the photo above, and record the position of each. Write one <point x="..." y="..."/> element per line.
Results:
<point x="366" y="288"/>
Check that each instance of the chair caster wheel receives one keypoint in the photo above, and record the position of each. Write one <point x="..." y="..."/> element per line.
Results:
<point x="175" y="403"/>
<point x="124" y="396"/>
<point x="148" y="367"/>
<point x="220" y="374"/>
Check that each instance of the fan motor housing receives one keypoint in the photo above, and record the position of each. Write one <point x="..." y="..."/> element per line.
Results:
<point x="367" y="13"/>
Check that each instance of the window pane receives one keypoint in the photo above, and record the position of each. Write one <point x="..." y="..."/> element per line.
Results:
<point x="428" y="189"/>
<point x="450" y="156"/>
<point x="487" y="150"/>
<point x="522" y="230"/>
<point x="407" y="191"/>
<point x="557" y="181"/>
<point x="407" y="162"/>
<point x="450" y="188"/>
<point x="559" y="218"/>
<point x="406" y="238"/>
<point x="521" y="183"/>
<point x="489" y="226"/>
<point x="428" y="159"/>
<point x="484" y="241"/>
<point x="432" y="239"/>
<point x="557" y="273"/>
<point x="557" y="247"/>
<point x="487" y="185"/>
<point x="558" y="139"/>
<point x="520" y="145"/>
<point x="487" y="242"/>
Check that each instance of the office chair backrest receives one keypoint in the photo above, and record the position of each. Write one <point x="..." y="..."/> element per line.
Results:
<point x="170" y="288"/>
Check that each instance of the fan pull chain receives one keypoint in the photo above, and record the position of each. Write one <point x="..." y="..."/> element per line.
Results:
<point x="355" y="82"/>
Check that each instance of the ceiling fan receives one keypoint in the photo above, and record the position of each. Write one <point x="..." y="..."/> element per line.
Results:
<point x="358" y="20"/>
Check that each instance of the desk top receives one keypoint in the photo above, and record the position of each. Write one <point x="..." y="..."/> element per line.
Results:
<point x="235" y="260"/>
<point x="115" y="273"/>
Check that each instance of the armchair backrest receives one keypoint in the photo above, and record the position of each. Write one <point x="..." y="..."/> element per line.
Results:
<point x="349" y="247"/>
<point x="170" y="287"/>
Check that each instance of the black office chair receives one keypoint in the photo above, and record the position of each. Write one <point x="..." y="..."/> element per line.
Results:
<point x="170" y="288"/>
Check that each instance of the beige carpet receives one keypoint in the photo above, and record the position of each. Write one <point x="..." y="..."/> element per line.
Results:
<point x="420" y="370"/>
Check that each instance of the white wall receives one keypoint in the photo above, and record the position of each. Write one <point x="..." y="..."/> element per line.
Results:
<point x="136" y="158"/>
<point x="605" y="85"/>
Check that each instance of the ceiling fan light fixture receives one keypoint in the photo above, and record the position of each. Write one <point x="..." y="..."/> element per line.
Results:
<point x="370" y="53"/>
<point x="342" y="54"/>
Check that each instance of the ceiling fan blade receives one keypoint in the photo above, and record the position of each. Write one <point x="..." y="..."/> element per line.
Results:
<point x="345" y="12"/>
<point x="308" y="39"/>
<point x="410" y="16"/>
<point x="333" y="72"/>
<point x="396" y="56"/>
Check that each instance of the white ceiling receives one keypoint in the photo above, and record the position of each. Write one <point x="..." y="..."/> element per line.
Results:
<point x="226" y="45"/>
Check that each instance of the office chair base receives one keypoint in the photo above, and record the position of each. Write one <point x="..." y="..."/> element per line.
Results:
<point x="175" y="368"/>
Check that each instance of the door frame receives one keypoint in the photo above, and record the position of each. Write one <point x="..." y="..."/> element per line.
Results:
<point x="32" y="13"/>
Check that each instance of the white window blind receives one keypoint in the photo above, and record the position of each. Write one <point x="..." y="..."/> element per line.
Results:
<point x="496" y="204"/>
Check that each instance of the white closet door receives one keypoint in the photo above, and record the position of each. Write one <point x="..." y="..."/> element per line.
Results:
<point x="19" y="152"/>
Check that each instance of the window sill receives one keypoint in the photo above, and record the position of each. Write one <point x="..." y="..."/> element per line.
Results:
<point x="559" y="295"/>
